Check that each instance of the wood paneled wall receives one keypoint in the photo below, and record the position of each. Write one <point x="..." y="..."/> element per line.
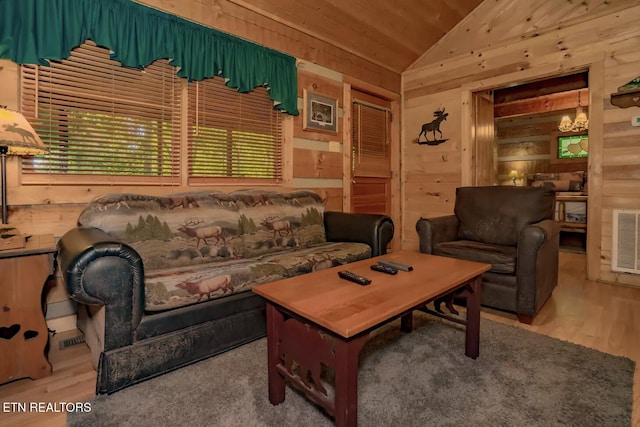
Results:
<point x="604" y="43"/>
<point x="620" y="152"/>
<point x="524" y="144"/>
<point x="431" y="173"/>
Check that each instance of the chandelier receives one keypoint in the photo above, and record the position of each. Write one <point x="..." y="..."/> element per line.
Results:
<point x="579" y="124"/>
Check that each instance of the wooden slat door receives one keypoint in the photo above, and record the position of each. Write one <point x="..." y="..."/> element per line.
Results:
<point x="371" y="154"/>
<point x="485" y="150"/>
<point x="370" y="195"/>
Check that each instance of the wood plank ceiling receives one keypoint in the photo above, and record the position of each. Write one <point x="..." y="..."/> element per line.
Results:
<point x="391" y="34"/>
<point x="404" y="34"/>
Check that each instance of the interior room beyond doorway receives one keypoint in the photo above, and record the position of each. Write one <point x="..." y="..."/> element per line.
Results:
<point x="528" y="146"/>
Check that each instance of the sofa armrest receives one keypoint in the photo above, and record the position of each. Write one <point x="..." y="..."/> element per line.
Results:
<point x="373" y="229"/>
<point x="537" y="269"/>
<point x="99" y="270"/>
<point x="432" y="231"/>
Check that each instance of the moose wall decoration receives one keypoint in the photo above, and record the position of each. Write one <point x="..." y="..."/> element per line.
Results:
<point x="433" y="127"/>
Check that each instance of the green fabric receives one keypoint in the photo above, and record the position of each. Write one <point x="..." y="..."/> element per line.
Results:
<point x="35" y="31"/>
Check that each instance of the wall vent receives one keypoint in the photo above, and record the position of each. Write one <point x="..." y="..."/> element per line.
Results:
<point x="626" y="241"/>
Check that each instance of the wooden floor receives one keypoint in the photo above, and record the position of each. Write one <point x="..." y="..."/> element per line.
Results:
<point x="601" y="316"/>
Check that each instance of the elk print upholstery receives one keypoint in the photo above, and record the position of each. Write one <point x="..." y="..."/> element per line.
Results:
<point x="202" y="233"/>
<point x="180" y="238"/>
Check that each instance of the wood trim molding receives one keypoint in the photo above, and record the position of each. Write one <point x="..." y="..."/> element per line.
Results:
<point x="347" y="121"/>
<point x="467" y="136"/>
<point x="595" y="161"/>
<point x="371" y="88"/>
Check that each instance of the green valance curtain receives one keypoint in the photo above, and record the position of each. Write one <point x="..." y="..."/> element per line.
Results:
<point x="34" y="31"/>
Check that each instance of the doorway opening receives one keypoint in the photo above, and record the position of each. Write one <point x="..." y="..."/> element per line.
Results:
<point x="517" y="142"/>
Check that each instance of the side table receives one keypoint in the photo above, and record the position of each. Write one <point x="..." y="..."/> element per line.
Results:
<point x="23" y="331"/>
<point x="577" y="224"/>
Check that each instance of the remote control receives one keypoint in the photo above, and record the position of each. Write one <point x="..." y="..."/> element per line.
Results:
<point x="353" y="277"/>
<point x="384" y="269"/>
<point x="395" y="265"/>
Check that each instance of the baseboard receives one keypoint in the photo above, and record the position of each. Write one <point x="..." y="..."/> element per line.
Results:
<point x="62" y="324"/>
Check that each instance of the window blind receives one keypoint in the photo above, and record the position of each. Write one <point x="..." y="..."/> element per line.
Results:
<point x="231" y="135"/>
<point x="100" y="119"/>
<point x="371" y="154"/>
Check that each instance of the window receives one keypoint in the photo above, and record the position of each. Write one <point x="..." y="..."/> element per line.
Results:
<point x="107" y="124"/>
<point x="99" y="119"/>
<point x="371" y="153"/>
<point x="233" y="136"/>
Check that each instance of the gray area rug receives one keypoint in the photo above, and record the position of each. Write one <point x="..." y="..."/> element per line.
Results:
<point x="416" y="379"/>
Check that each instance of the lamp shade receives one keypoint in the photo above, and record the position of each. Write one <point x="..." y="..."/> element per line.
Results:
<point x="17" y="135"/>
<point x="581" y="122"/>
<point x="17" y="138"/>
<point x="565" y="124"/>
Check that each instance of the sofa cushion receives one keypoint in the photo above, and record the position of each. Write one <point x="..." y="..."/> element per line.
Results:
<point x="177" y="287"/>
<point x="274" y="222"/>
<point x="560" y="181"/>
<point x="318" y="257"/>
<point x="560" y="185"/>
<point x="501" y="258"/>
<point x="497" y="214"/>
<point x="170" y="231"/>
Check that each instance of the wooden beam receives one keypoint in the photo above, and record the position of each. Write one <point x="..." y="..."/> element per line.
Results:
<point x="541" y="88"/>
<point x="543" y="104"/>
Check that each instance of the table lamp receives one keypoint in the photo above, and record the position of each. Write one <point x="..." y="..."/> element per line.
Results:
<point x="17" y="138"/>
<point x="514" y="175"/>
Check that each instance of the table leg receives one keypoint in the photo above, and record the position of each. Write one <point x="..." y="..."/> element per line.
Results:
<point x="406" y="322"/>
<point x="346" y="381"/>
<point x="275" y="322"/>
<point x="472" y="337"/>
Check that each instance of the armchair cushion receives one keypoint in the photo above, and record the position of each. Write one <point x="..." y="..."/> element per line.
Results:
<point x="501" y="258"/>
<point x="496" y="215"/>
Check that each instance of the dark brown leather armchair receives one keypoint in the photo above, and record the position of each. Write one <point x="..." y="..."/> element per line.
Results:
<point x="511" y="228"/>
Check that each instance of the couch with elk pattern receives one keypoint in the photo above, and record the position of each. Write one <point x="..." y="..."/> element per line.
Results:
<point x="164" y="281"/>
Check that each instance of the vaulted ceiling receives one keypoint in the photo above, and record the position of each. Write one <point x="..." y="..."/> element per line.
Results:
<point x="395" y="34"/>
<point x="389" y="33"/>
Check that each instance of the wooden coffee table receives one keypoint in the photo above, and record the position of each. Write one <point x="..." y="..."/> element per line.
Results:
<point x="319" y="318"/>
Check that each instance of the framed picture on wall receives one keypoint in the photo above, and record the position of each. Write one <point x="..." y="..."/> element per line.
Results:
<point x="569" y="147"/>
<point x="319" y="113"/>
